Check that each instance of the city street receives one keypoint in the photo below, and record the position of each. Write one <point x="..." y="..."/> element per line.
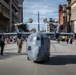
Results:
<point x="62" y="61"/>
<point x="38" y="18"/>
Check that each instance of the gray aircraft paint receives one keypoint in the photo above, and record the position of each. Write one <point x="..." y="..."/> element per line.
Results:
<point x="40" y="46"/>
<point x="38" y="51"/>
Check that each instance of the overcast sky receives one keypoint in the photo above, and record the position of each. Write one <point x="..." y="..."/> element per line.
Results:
<point x="46" y="8"/>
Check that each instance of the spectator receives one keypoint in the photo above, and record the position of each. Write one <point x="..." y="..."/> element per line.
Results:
<point x="70" y="40"/>
<point x="8" y="40"/>
<point x="2" y="44"/>
<point x="67" y="40"/>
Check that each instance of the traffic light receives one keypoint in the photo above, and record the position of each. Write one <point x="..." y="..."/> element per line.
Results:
<point x="57" y="35"/>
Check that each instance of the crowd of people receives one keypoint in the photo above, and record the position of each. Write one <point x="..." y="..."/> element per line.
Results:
<point x="69" y="40"/>
<point x="9" y="40"/>
<point x="19" y="41"/>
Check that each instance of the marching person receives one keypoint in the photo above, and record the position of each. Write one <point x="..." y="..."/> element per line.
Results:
<point x="19" y="43"/>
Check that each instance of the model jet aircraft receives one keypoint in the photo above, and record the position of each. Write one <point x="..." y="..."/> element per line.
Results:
<point x="38" y="44"/>
<point x="38" y="47"/>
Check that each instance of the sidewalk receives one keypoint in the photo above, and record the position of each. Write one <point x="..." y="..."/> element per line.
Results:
<point x="74" y="42"/>
<point x="9" y="46"/>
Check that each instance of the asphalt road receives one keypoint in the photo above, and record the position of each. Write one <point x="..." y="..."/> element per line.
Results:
<point x="62" y="61"/>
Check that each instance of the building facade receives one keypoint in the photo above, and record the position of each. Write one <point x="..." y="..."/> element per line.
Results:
<point x="51" y="27"/>
<point x="48" y="28"/>
<point x="73" y="16"/>
<point x="62" y="18"/>
<point x="64" y="12"/>
<point x="60" y="14"/>
<point x="65" y="15"/>
<point x="11" y="11"/>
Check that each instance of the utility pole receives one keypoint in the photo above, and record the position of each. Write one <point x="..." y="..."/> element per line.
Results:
<point x="38" y="22"/>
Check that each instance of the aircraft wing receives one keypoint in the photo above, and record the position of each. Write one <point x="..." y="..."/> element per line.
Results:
<point x="50" y="33"/>
<point x="28" y="33"/>
<point x="8" y="34"/>
<point x="60" y="34"/>
<point x="66" y="34"/>
<point x="15" y="34"/>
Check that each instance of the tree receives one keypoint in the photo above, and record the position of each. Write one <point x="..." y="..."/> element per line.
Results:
<point x="33" y="30"/>
<point x="43" y="30"/>
<point x="24" y="27"/>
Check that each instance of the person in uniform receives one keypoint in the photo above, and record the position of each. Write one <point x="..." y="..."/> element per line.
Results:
<point x="19" y="43"/>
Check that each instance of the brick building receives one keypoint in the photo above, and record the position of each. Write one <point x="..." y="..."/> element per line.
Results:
<point x="60" y="14"/>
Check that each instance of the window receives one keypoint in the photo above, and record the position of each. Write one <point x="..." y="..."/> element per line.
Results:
<point x="7" y="1"/>
<point x="32" y="38"/>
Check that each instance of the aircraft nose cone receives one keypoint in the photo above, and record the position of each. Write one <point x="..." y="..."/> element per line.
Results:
<point x="39" y="54"/>
<point x="35" y="53"/>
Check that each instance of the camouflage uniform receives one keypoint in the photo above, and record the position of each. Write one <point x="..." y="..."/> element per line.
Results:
<point x="19" y="43"/>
